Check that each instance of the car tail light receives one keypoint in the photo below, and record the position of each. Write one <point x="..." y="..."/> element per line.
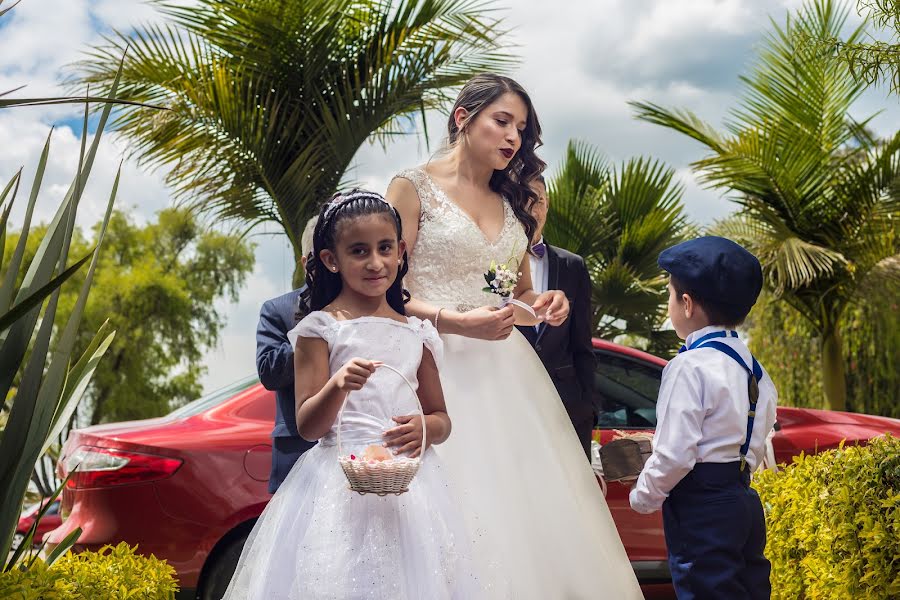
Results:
<point x="103" y="467"/>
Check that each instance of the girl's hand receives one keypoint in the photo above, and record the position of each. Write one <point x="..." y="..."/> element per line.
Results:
<point x="407" y="435"/>
<point x="354" y="374"/>
<point x="552" y="306"/>
<point x="489" y="323"/>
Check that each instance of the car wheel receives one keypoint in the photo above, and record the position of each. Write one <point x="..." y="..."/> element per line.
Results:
<point x="222" y="568"/>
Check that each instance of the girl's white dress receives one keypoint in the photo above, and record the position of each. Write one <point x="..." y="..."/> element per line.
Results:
<point x="538" y="520"/>
<point x="318" y="540"/>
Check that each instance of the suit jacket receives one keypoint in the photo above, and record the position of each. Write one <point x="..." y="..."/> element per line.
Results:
<point x="566" y="351"/>
<point x="275" y="365"/>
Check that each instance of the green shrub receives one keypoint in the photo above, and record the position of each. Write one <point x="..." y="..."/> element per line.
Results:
<point x="39" y="582"/>
<point x="833" y="523"/>
<point x="113" y="573"/>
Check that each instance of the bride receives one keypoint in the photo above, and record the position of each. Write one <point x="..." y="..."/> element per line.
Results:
<point x="540" y="524"/>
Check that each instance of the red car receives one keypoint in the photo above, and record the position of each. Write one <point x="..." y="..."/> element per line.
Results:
<point x="189" y="486"/>
<point x="48" y="522"/>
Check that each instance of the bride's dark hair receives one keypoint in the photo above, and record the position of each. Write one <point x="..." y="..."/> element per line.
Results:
<point x="512" y="182"/>
<point x="323" y="286"/>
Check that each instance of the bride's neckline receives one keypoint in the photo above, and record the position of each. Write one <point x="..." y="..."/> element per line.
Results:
<point x="437" y="188"/>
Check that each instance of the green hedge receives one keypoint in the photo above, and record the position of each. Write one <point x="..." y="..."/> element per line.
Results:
<point x="833" y="523"/>
<point x="113" y="573"/>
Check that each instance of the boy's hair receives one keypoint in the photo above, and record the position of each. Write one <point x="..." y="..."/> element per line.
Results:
<point x="718" y="313"/>
<point x="323" y="285"/>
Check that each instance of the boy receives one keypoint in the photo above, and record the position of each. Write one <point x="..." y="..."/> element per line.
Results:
<point x="716" y="406"/>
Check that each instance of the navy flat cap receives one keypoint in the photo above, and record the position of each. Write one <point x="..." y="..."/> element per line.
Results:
<point x="716" y="269"/>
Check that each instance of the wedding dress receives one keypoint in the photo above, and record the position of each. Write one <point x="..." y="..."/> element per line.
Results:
<point x="535" y="513"/>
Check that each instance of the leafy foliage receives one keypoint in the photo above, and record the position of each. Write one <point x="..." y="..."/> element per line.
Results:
<point x="270" y="99"/>
<point x="51" y="377"/>
<point x="113" y="572"/>
<point x="818" y="196"/>
<point x="787" y="345"/>
<point x="619" y="219"/>
<point x="158" y="286"/>
<point x="874" y="61"/>
<point x="832" y="522"/>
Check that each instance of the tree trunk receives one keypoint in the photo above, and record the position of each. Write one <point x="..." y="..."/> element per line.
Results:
<point x="103" y="394"/>
<point x="97" y="409"/>
<point x="834" y="380"/>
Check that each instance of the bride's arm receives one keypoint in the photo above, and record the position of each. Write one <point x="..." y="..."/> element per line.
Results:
<point x="483" y="323"/>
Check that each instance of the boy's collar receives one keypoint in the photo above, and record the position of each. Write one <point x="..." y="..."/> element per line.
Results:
<point x="696" y="335"/>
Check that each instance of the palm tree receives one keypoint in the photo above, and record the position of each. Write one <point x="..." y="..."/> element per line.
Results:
<point x="271" y="99"/>
<point x="818" y="195"/>
<point x="619" y="220"/>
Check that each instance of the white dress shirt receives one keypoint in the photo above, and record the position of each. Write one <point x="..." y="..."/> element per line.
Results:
<point x="540" y="273"/>
<point x="701" y="416"/>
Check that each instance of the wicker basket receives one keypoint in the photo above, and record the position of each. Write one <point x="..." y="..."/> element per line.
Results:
<point x="391" y="476"/>
<point x="623" y="458"/>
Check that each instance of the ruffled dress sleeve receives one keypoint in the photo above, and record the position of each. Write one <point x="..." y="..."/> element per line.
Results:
<point x="316" y="324"/>
<point x="431" y="339"/>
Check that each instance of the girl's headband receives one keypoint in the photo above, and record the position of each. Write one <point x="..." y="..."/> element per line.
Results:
<point x="343" y="199"/>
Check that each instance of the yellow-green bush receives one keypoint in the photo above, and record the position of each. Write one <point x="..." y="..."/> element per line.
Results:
<point x="113" y="573"/>
<point x="833" y="523"/>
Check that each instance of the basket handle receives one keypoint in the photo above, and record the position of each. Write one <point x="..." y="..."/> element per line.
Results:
<point x="415" y="395"/>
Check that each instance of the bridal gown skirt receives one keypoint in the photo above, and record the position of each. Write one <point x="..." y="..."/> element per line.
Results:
<point x="537" y="517"/>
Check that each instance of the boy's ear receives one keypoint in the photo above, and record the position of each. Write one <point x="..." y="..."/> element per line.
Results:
<point x="689" y="307"/>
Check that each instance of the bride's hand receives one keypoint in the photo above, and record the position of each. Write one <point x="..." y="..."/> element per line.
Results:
<point x="489" y="323"/>
<point x="553" y="306"/>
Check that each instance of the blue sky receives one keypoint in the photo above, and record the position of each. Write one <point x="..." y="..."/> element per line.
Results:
<point x="582" y="62"/>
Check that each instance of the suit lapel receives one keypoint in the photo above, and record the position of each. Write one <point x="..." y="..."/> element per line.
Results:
<point x="552" y="282"/>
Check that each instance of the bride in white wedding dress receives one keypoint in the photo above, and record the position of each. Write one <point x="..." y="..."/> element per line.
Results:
<point x="538" y="519"/>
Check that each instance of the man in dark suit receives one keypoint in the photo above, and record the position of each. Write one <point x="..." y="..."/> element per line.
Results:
<point x="566" y="351"/>
<point x="275" y="365"/>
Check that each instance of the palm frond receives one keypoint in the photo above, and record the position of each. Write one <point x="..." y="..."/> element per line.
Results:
<point x="270" y="100"/>
<point x="619" y="219"/>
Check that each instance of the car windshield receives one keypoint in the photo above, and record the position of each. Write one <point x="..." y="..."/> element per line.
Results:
<point x="213" y="399"/>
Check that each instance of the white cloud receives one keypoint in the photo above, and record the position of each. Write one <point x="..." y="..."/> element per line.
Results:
<point x="581" y="60"/>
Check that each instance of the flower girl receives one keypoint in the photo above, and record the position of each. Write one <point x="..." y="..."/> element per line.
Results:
<point x="317" y="539"/>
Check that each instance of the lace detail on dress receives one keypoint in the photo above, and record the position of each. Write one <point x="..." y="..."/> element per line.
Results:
<point x="447" y="264"/>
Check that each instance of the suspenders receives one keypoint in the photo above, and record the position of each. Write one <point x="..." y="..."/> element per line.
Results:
<point x="754" y="375"/>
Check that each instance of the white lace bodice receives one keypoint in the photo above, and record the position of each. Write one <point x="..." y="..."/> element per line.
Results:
<point x="451" y="255"/>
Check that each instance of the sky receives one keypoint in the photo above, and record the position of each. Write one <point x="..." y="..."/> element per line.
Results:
<point x="581" y="61"/>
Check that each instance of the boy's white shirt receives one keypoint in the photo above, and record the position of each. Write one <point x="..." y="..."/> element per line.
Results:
<point x="701" y="416"/>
